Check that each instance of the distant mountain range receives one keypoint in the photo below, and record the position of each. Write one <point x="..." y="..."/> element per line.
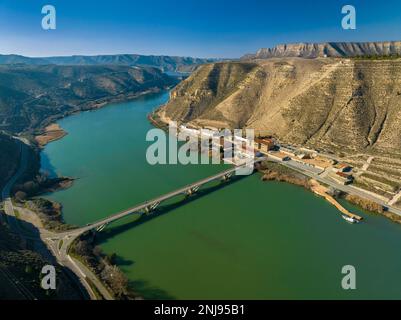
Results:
<point x="165" y="63"/>
<point x="31" y="96"/>
<point x="329" y="49"/>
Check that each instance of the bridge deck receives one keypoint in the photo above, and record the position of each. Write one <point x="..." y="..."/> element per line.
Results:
<point x="162" y="198"/>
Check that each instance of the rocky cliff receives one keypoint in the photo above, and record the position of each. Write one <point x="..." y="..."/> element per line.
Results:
<point x="341" y="104"/>
<point x="329" y="49"/>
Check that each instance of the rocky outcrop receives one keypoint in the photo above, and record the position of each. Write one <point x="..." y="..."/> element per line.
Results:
<point x="329" y="49"/>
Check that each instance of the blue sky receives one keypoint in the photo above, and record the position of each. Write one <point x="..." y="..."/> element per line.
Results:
<point x="187" y="28"/>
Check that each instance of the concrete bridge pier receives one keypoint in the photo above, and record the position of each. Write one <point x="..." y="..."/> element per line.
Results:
<point x="227" y="176"/>
<point x="101" y="228"/>
<point x="149" y="209"/>
<point x="192" y="190"/>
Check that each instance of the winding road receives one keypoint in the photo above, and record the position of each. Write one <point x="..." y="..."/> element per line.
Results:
<point x="77" y="268"/>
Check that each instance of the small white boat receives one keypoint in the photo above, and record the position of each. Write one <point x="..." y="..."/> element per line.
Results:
<point x="350" y="219"/>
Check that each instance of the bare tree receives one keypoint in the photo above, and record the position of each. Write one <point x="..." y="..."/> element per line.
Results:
<point x="116" y="279"/>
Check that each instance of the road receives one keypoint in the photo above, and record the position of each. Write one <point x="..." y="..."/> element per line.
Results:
<point x="323" y="177"/>
<point x="44" y="234"/>
<point x="80" y="270"/>
<point x="347" y="188"/>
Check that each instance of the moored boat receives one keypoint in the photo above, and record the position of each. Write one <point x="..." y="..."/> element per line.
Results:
<point x="350" y="219"/>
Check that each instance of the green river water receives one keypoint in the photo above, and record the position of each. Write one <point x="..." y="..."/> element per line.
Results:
<point x="247" y="240"/>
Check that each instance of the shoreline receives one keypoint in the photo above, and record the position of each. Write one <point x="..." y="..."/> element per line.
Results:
<point x="157" y="122"/>
<point x="271" y="173"/>
<point x="53" y="132"/>
<point x="298" y="179"/>
<point x="50" y="130"/>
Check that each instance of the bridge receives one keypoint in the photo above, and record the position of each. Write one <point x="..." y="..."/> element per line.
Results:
<point x="61" y="241"/>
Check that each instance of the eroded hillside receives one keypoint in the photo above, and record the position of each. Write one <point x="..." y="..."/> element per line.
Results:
<point x="339" y="104"/>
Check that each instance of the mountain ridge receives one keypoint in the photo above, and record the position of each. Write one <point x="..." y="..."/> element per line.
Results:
<point x="32" y="96"/>
<point x="328" y="49"/>
<point x="165" y="63"/>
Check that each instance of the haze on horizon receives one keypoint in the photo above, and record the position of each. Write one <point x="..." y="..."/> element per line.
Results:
<point x="212" y="29"/>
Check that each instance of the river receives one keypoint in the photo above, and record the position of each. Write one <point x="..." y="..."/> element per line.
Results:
<point x="247" y="240"/>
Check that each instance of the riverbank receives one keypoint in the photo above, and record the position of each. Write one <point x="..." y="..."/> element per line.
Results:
<point x="276" y="172"/>
<point x="371" y="206"/>
<point x="155" y="120"/>
<point x="50" y="130"/>
<point x="103" y="266"/>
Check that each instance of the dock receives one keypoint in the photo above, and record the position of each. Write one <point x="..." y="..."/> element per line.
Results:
<point x="320" y="190"/>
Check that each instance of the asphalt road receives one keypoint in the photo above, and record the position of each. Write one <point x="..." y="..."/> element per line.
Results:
<point x="66" y="260"/>
<point x="348" y="188"/>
